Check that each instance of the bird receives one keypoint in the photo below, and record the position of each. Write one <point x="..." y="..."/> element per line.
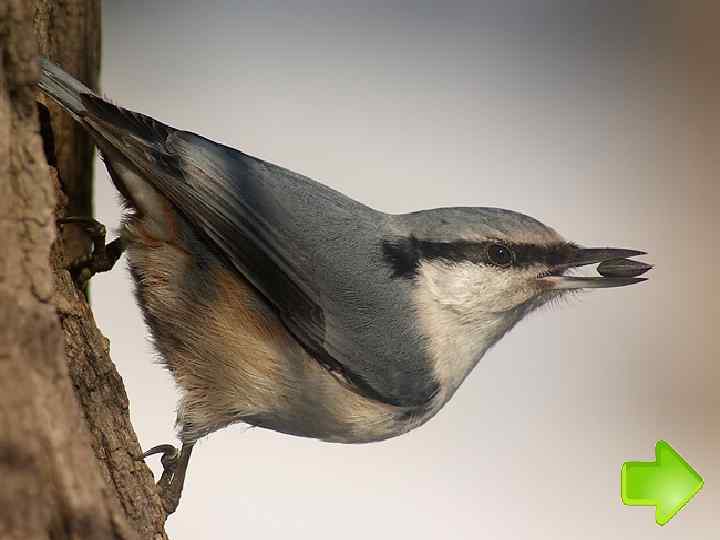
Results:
<point x="278" y="302"/>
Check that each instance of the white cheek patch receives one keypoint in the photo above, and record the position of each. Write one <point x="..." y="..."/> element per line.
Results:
<point x="473" y="289"/>
<point x="464" y="309"/>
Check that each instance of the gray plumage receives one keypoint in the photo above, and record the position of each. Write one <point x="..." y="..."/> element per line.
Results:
<point x="397" y="308"/>
<point x="314" y="253"/>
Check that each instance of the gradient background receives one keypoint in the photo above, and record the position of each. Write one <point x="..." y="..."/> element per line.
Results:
<point x="598" y="118"/>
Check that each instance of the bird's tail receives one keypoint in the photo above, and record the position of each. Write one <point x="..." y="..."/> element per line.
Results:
<point x="63" y="88"/>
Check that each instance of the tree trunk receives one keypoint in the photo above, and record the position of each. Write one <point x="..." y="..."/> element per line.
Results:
<point x="69" y="463"/>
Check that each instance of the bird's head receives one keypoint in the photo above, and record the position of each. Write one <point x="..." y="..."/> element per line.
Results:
<point x="476" y="272"/>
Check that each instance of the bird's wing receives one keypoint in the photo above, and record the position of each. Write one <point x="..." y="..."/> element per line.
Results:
<point x="313" y="253"/>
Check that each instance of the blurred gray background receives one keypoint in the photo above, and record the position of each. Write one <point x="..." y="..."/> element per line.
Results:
<point x="598" y="118"/>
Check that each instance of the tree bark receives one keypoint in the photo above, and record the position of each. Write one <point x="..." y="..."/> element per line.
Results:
<point x="69" y="466"/>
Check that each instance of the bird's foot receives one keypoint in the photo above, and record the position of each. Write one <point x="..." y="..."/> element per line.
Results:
<point x="103" y="256"/>
<point x="172" y="480"/>
<point x="169" y="460"/>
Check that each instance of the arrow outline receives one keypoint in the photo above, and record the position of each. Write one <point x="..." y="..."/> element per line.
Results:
<point x="657" y="465"/>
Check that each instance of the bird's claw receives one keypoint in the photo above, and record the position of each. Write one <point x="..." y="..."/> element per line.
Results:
<point x="172" y="480"/>
<point x="103" y="256"/>
<point x="169" y="461"/>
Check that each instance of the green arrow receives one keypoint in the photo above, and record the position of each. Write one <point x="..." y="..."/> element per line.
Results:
<point x="668" y="483"/>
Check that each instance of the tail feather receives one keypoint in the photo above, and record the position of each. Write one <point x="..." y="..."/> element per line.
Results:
<point x="63" y="88"/>
<point x="108" y="124"/>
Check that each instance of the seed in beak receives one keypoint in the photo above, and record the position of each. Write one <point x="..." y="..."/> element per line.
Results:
<point x="622" y="268"/>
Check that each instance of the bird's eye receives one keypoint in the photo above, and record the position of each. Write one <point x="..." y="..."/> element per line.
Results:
<point x="500" y="255"/>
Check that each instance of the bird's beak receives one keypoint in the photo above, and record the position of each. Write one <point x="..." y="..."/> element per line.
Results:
<point x="616" y="269"/>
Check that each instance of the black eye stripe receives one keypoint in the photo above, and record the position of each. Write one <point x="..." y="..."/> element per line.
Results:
<point x="550" y="255"/>
<point x="405" y="254"/>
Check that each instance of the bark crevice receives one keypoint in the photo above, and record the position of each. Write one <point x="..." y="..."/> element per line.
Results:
<point x="68" y="453"/>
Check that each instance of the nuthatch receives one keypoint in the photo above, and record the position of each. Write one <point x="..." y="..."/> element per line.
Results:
<point x="281" y="303"/>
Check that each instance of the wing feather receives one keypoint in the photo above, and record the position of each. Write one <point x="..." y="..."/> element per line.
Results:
<point x="313" y="253"/>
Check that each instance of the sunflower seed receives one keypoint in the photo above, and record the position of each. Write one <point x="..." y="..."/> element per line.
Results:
<point x="622" y="268"/>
